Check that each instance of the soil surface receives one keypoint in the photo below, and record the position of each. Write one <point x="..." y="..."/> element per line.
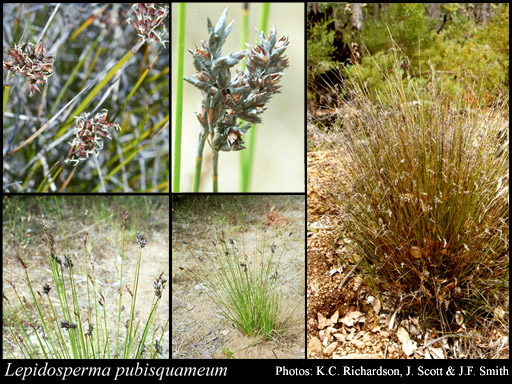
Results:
<point x="326" y="301"/>
<point x="344" y="319"/>
<point x="199" y="330"/>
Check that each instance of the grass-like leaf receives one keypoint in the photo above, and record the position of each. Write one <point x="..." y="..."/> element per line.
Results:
<point x="425" y="199"/>
<point x="245" y="288"/>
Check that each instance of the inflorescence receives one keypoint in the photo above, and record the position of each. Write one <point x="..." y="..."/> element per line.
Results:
<point x="227" y="99"/>
<point x="148" y="20"/>
<point x="31" y="61"/>
<point x="89" y="134"/>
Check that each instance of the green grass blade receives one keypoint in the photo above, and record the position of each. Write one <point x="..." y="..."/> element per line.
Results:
<point x="179" y="98"/>
<point x="73" y="75"/>
<point x="6" y="96"/>
<point x="116" y="169"/>
<point x="248" y="154"/>
<point x="78" y="110"/>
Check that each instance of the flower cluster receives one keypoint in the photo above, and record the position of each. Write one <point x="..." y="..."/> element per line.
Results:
<point x="114" y="15"/>
<point x="148" y="20"/>
<point x="48" y="237"/>
<point x="125" y="215"/>
<point x="141" y="238"/>
<point x="244" y="96"/>
<point x="31" y="61"/>
<point x="68" y="325"/>
<point x="159" y="285"/>
<point x="46" y="288"/>
<point x="89" y="134"/>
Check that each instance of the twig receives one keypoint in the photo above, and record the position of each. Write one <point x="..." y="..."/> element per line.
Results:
<point x="442" y="338"/>
<point x="348" y="275"/>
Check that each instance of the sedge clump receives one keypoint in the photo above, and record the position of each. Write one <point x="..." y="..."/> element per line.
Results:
<point x="425" y="205"/>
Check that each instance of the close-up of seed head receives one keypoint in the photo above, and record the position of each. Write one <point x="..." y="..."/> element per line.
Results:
<point x="32" y="62"/>
<point x="242" y="89"/>
<point x="89" y="134"/>
<point x="67" y="64"/>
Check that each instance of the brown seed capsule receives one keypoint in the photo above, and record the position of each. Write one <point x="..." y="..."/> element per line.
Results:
<point x="415" y="252"/>
<point x="46" y="288"/>
<point x="141" y="238"/>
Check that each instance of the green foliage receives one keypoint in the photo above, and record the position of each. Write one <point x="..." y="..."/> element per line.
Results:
<point x="320" y="48"/>
<point x="68" y="319"/>
<point x="407" y="23"/>
<point x="495" y="35"/>
<point x="320" y="43"/>
<point x="471" y="59"/>
<point x="245" y="288"/>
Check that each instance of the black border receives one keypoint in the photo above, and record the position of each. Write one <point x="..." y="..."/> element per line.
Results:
<point x="260" y="368"/>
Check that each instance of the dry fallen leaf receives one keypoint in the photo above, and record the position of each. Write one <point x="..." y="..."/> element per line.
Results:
<point x="437" y="353"/>
<point x="415" y="252"/>
<point x="390" y="321"/>
<point x="321" y="321"/>
<point x="330" y="348"/>
<point x="350" y="318"/>
<point x="408" y="345"/>
<point x="376" y="306"/>
<point x="333" y="319"/>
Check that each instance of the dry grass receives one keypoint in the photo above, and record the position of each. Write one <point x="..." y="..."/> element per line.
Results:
<point x="426" y="205"/>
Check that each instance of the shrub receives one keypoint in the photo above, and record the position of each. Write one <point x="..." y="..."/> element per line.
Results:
<point x="471" y="58"/>
<point x="320" y="48"/>
<point x="426" y="206"/>
<point x="407" y="23"/>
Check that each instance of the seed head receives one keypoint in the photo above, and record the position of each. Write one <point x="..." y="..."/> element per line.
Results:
<point x="89" y="331"/>
<point x="159" y="285"/>
<point x="67" y="324"/>
<point x="158" y="347"/>
<point x="148" y="20"/>
<point x="31" y="61"/>
<point x="227" y="99"/>
<point x="89" y="134"/>
<point x="46" y="288"/>
<point x="141" y="238"/>
<point x="125" y="215"/>
<point x="48" y="237"/>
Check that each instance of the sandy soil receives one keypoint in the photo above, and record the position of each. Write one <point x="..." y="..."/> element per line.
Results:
<point x="199" y="331"/>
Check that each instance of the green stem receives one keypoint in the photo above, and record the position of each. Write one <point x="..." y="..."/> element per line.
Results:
<point x="179" y="97"/>
<point x="244" y="38"/>
<point x="248" y="155"/>
<point x="215" y="165"/>
<point x="98" y="88"/>
<point x="130" y="333"/>
<point x="199" y="161"/>
<point x="120" y="291"/>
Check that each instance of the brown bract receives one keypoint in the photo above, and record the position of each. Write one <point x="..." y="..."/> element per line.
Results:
<point x="148" y="20"/>
<point x="31" y="61"/>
